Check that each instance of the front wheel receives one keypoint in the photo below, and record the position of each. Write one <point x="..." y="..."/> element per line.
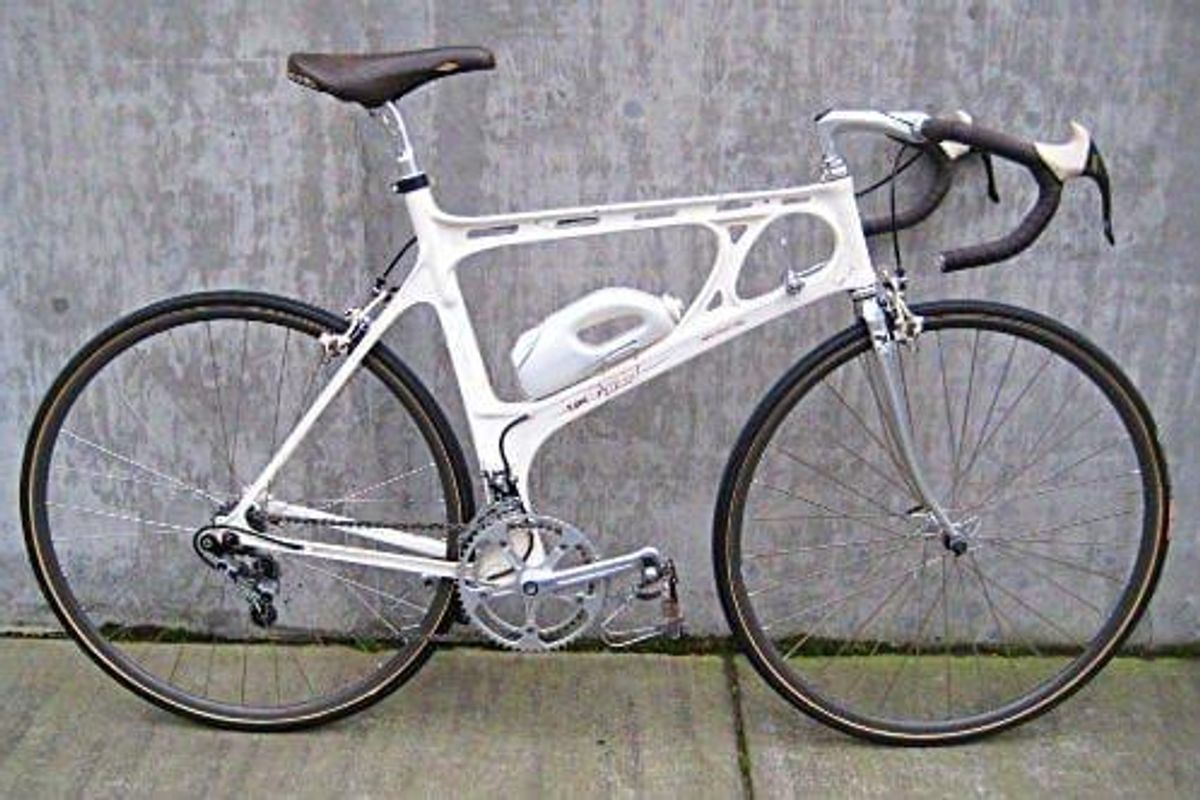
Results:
<point x="154" y="429"/>
<point x="840" y="586"/>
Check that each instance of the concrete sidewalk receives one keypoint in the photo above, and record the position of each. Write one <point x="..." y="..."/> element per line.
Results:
<point x="476" y="723"/>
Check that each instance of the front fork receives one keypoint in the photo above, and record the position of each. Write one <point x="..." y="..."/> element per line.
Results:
<point x="891" y="324"/>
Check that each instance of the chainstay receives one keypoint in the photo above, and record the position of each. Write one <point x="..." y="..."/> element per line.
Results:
<point x="445" y="527"/>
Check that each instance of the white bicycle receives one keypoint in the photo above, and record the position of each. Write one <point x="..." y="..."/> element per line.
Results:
<point x="939" y="523"/>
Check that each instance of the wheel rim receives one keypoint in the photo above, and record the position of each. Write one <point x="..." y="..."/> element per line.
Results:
<point x="874" y="624"/>
<point x="114" y="522"/>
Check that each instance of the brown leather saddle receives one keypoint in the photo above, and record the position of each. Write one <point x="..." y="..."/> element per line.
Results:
<point x="376" y="78"/>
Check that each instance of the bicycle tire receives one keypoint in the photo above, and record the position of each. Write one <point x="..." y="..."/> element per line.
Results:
<point x="806" y="692"/>
<point x="398" y="382"/>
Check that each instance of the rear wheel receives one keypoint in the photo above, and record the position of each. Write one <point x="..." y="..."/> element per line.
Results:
<point x="840" y="587"/>
<point x="154" y="428"/>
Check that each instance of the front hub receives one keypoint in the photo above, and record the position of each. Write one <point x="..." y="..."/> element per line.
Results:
<point x="958" y="541"/>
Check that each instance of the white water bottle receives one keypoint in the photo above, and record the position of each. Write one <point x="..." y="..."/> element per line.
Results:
<point x="552" y="355"/>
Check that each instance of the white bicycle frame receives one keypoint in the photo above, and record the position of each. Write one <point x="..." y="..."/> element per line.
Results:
<point x="507" y="435"/>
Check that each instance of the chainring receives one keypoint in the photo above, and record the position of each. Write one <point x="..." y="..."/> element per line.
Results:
<point x="490" y="585"/>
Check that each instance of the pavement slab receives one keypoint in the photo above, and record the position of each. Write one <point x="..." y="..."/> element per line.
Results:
<point x="472" y="723"/>
<point x="1133" y="731"/>
<point x="477" y="723"/>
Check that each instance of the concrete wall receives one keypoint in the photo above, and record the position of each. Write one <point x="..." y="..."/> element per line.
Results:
<point x="151" y="149"/>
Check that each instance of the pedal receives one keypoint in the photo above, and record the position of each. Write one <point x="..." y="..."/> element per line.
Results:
<point x="671" y="612"/>
<point x="666" y="587"/>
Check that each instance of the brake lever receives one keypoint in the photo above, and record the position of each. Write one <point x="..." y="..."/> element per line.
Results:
<point x="992" y="194"/>
<point x="1097" y="171"/>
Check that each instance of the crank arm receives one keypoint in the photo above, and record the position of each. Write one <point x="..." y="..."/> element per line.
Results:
<point x="534" y="580"/>
<point x="395" y="537"/>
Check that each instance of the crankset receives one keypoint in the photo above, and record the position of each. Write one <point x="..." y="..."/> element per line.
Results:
<point x="534" y="583"/>
<point x="514" y="611"/>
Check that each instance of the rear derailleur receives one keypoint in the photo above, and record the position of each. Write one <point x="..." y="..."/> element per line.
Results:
<point x="255" y="574"/>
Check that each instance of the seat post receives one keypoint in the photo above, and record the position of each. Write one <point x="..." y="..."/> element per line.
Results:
<point x="389" y="115"/>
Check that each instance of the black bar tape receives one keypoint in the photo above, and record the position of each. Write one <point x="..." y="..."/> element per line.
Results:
<point x="1019" y="150"/>
<point x="1031" y="227"/>
<point x="1013" y="149"/>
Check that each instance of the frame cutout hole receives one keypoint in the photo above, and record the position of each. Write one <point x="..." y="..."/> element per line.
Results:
<point x="734" y="205"/>
<point x="576" y="222"/>
<point x="799" y="243"/>
<point x="655" y="213"/>
<point x="495" y="230"/>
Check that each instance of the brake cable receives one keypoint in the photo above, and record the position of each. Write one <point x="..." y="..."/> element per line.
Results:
<point x="896" y="170"/>
<point x="381" y="281"/>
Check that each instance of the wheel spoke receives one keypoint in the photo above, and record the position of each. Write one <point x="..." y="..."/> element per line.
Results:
<point x="914" y="651"/>
<point x="871" y="612"/>
<point x="119" y="478"/>
<point x="223" y="628"/>
<point x="989" y="435"/>
<point x="216" y="372"/>
<point x="1065" y="526"/>
<point x="991" y="409"/>
<point x="821" y="572"/>
<point x="966" y="415"/>
<point x="1016" y="598"/>
<point x="825" y="546"/>
<point x="396" y="600"/>
<point x="857" y="591"/>
<point x="842" y="485"/>
<point x="887" y="450"/>
<point x="355" y="495"/>
<point x="953" y="443"/>
<point x="1039" y="453"/>
<point x="1060" y="561"/>
<point x="237" y="413"/>
<point x="829" y="509"/>
<point x="143" y="467"/>
<point x="1029" y="564"/>
<point x="1035" y="491"/>
<point x="99" y="512"/>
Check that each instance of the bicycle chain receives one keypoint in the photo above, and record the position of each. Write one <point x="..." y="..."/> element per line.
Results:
<point x="275" y="519"/>
<point x="457" y="612"/>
